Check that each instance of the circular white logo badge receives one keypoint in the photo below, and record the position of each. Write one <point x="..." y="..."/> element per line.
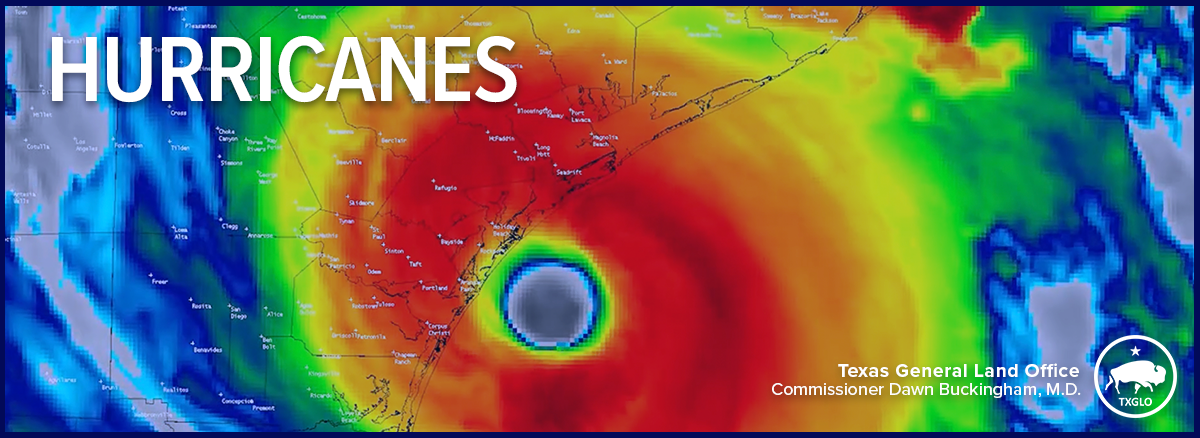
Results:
<point x="1131" y="375"/>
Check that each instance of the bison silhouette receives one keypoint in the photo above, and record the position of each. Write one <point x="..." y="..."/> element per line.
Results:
<point x="1141" y="373"/>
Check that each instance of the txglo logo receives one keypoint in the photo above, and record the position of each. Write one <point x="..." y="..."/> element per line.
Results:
<point x="1135" y="376"/>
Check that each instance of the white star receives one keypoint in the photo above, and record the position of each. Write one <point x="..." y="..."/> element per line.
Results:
<point x="1135" y="350"/>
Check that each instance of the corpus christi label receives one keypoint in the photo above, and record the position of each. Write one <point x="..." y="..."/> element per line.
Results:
<point x="1135" y="376"/>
